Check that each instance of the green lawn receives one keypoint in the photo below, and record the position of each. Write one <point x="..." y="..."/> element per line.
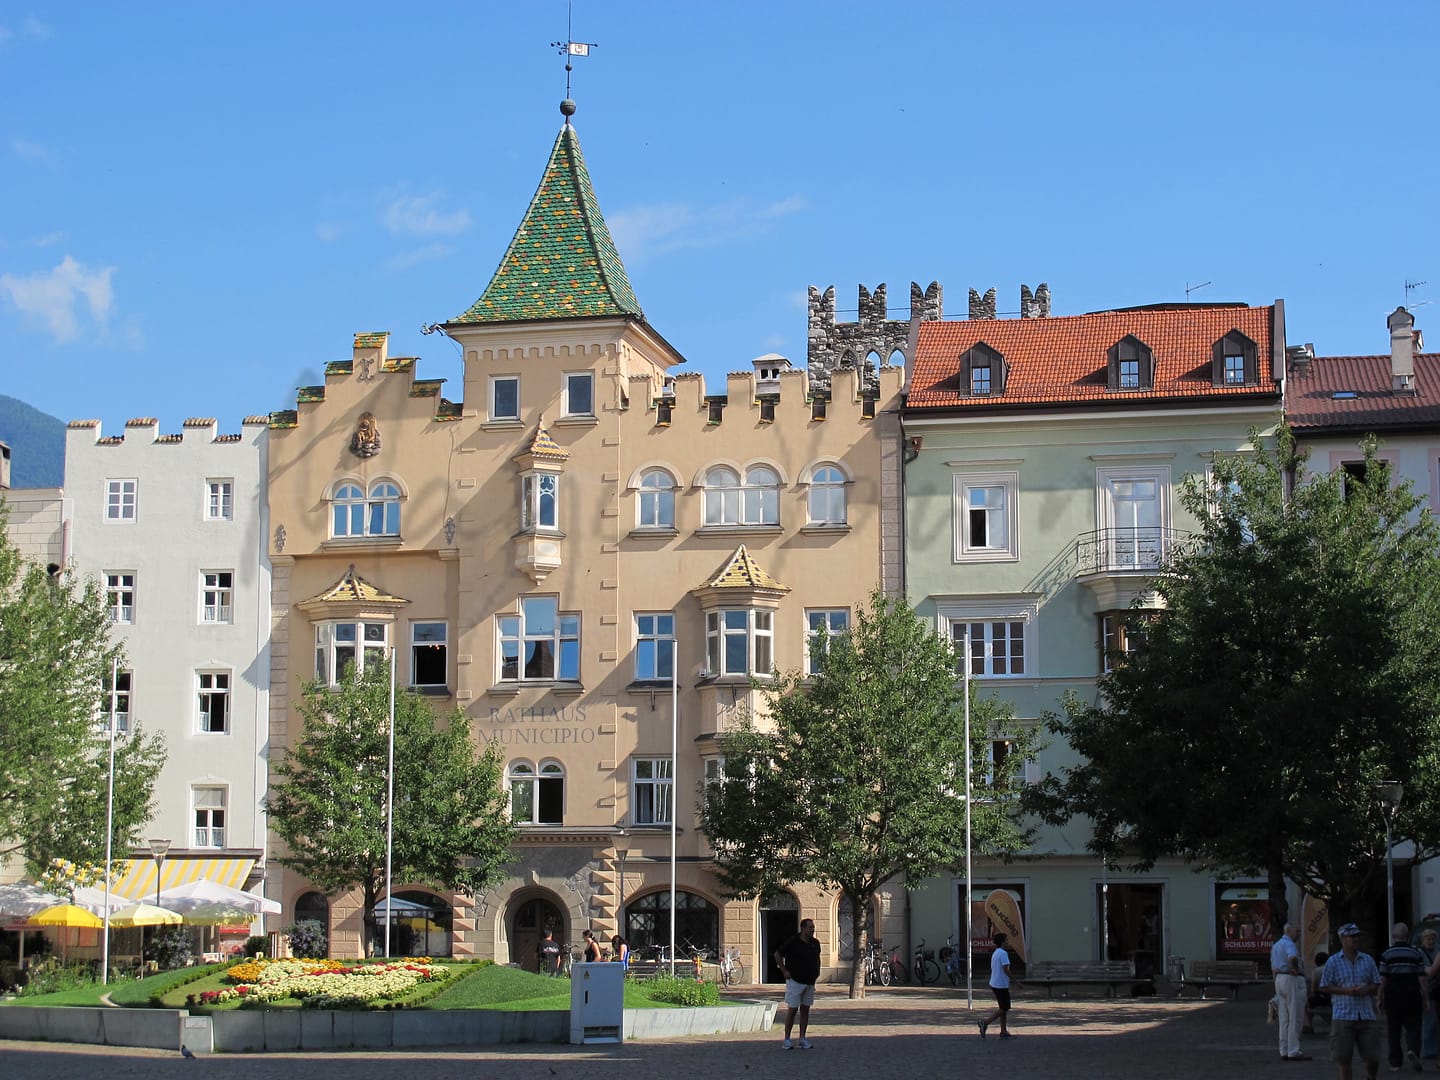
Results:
<point x="495" y="987"/>
<point x="490" y="986"/>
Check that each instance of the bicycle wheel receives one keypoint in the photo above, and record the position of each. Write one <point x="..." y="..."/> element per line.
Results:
<point x="885" y="974"/>
<point x="737" y="973"/>
<point x="899" y="973"/>
<point x="927" y="972"/>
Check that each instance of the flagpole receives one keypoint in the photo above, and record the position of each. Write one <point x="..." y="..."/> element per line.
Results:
<point x="969" y="877"/>
<point x="674" y="779"/>
<point x="390" y="803"/>
<point x="109" y="824"/>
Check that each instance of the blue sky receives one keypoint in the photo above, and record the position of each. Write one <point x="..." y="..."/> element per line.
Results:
<point x="201" y="203"/>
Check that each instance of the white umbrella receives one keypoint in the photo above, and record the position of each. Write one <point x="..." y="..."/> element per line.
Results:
<point x="204" y="891"/>
<point x="20" y="899"/>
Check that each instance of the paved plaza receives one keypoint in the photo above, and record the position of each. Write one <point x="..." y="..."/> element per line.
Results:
<point x="899" y="1032"/>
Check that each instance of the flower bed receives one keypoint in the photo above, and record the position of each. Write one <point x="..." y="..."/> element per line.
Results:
<point x="320" y="984"/>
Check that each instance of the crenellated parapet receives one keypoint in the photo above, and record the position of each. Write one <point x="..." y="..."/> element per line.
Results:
<point x="144" y="430"/>
<point x="370" y="361"/>
<point x="873" y="341"/>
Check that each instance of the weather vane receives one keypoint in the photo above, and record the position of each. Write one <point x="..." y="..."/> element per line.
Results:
<point x="570" y="48"/>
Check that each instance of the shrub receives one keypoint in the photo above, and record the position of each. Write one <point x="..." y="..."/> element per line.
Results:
<point x="259" y="945"/>
<point x="677" y="991"/>
<point x="170" y="948"/>
<point x="308" y="940"/>
<point x="51" y="976"/>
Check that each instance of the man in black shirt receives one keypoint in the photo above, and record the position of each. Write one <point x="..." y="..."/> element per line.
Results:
<point x="548" y="954"/>
<point x="1404" y="995"/>
<point x="799" y="962"/>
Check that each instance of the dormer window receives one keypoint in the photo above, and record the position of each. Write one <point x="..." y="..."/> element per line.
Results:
<point x="982" y="371"/>
<point x="1236" y="361"/>
<point x="1131" y="365"/>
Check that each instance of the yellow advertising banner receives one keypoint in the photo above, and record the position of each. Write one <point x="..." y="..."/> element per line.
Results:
<point x="1314" y="929"/>
<point x="1004" y="914"/>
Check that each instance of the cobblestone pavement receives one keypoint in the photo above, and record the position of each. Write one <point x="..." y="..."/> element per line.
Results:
<point x="900" y="1032"/>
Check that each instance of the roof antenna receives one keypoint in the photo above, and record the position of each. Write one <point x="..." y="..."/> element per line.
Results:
<point x="1193" y="288"/>
<point x="1410" y="287"/>
<point x="570" y="48"/>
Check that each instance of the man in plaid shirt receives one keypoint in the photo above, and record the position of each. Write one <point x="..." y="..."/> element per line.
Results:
<point x="1351" y="978"/>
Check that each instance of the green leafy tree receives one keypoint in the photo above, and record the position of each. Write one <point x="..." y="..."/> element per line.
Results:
<point x="56" y="654"/>
<point x="452" y="821"/>
<point x="856" y="776"/>
<point x="1290" y="672"/>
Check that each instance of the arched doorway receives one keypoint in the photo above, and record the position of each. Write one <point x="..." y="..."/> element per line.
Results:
<point x="779" y="921"/>
<point x="533" y="916"/>
<point x="312" y="907"/>
<point x="697" y="923"/>
<point x="421" y="925"/>
<point x="844" y="928"/>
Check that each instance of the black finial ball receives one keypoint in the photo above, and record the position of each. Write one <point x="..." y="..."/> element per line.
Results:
<point x="567" y="107"/>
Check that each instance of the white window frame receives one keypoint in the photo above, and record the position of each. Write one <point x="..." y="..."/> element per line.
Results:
<point x="384" y="496"/>
<point x="563" y="639"/>
<point x="217" y="597"/>
<point x="755" y="625"/>
<point x="655" y="504"/>
<point x="120" y="700"/>
<point x="722" y="496"/>
<point x="526" y="783"/>
<point x="367" y="642"/>
<point x="826" y="617"/>
<point x="826" y="503"/>
<point x="1132" y="551"/>
<point x="220" y="499"/>
<point x="419" y="627"/>
<point x="122" y="500"/>
<point x="655" y="777"/>
<point x="495" y="382"/>
<point x="534" y="487"/>
<point x="211" y="835"/>
<point x="655" y="635"/>
<point x="211" y="686"/>
<point x="120" y="596"/>
<point x="1008" y="516"/>
<point x="569" y="379"/>
<point x="957" y="614"/>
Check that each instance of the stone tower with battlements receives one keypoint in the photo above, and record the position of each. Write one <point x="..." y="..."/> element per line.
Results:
<point x="836" y="346"/>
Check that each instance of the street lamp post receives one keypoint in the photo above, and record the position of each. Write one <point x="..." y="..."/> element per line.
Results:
<point x="159" y="849"/>
<point x="1391" y="792"/>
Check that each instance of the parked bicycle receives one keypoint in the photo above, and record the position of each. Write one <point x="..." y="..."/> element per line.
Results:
<point x="732" y="971"/>
<point x="953" y="960"/>
<point x="877" y="966"/>
<point x="899" y="973"/>
<point x="923" y="968"/>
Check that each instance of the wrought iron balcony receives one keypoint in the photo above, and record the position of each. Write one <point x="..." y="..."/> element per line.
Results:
<point x="1125" y="551"/>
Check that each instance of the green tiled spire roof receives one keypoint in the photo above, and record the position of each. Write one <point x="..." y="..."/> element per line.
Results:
<point x="562" y="262"/>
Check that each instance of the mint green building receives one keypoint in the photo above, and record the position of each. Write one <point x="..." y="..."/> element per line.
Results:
<point x="1041" y="490"/>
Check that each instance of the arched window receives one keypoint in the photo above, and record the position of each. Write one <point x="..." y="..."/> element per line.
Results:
<point x="353" y="514"/>
<point x="420" y="925"/>
<point x="697" y="921"/>
<point x="722" y="496"/>
<point x="348" y="507"/>
<point x="761" y="504"/>
<point x="312" y="907"/>
<point x="657" y="500"/>
<point x="537" y="798"/>
<point x="827" y="496"/>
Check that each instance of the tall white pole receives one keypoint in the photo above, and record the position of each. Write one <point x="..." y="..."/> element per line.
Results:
<point x="390" y="803"/>
<point x="969" y="877"/>
<point x="674" y="780"/>
<point x="109" y="825"/>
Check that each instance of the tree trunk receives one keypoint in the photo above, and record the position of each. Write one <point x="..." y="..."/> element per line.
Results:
<point x="1279" y="904"/>
<point x="860" y="934"/>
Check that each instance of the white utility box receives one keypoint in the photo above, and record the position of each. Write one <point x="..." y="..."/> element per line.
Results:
<point x="597" y="1003"/>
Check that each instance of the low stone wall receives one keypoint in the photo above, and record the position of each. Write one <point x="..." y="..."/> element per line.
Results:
<point x="259" y="1030"/>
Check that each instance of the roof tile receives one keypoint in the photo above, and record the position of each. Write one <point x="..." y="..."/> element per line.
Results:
<point x="1370" y="404"/>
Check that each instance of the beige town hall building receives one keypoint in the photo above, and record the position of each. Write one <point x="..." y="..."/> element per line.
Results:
<point x="547" y="552"/>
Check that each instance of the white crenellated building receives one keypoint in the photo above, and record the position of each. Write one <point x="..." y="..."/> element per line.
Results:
<point x="175" y="527"/>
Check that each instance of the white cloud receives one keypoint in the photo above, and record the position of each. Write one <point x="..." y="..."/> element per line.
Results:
<point x="35" y="28"/>
<point x="329" y="231"/>
<point x="47" y="239"/>
<point x="56" y="297"/>
<point x="429" y="252"/>
<point x="647" y="231"/>
<point x="33" y="152"/>
<point x="5" y="34"/>
<point x="420" y="215"/>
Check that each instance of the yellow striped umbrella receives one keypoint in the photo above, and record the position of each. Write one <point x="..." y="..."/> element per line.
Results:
<point x="144" y="915"/>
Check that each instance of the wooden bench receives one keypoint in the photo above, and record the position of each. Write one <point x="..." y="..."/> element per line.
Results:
<point x="1231" y="973"/>
<point x="1109" y="973"/>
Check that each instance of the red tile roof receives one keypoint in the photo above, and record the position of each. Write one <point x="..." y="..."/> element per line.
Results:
<point x="1311" y="404"/>
<point x="1064" y="360"/>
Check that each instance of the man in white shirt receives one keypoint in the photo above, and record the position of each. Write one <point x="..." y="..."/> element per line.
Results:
<point x="1289" y="991"/>
<point x="1000" y="987"/>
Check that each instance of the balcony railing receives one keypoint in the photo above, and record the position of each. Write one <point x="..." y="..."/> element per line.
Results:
<point x="1113" y="551"/>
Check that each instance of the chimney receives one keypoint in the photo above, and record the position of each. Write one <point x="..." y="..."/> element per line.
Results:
<point x="1300" y="357"/>
<point x="1402" y="351"/>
